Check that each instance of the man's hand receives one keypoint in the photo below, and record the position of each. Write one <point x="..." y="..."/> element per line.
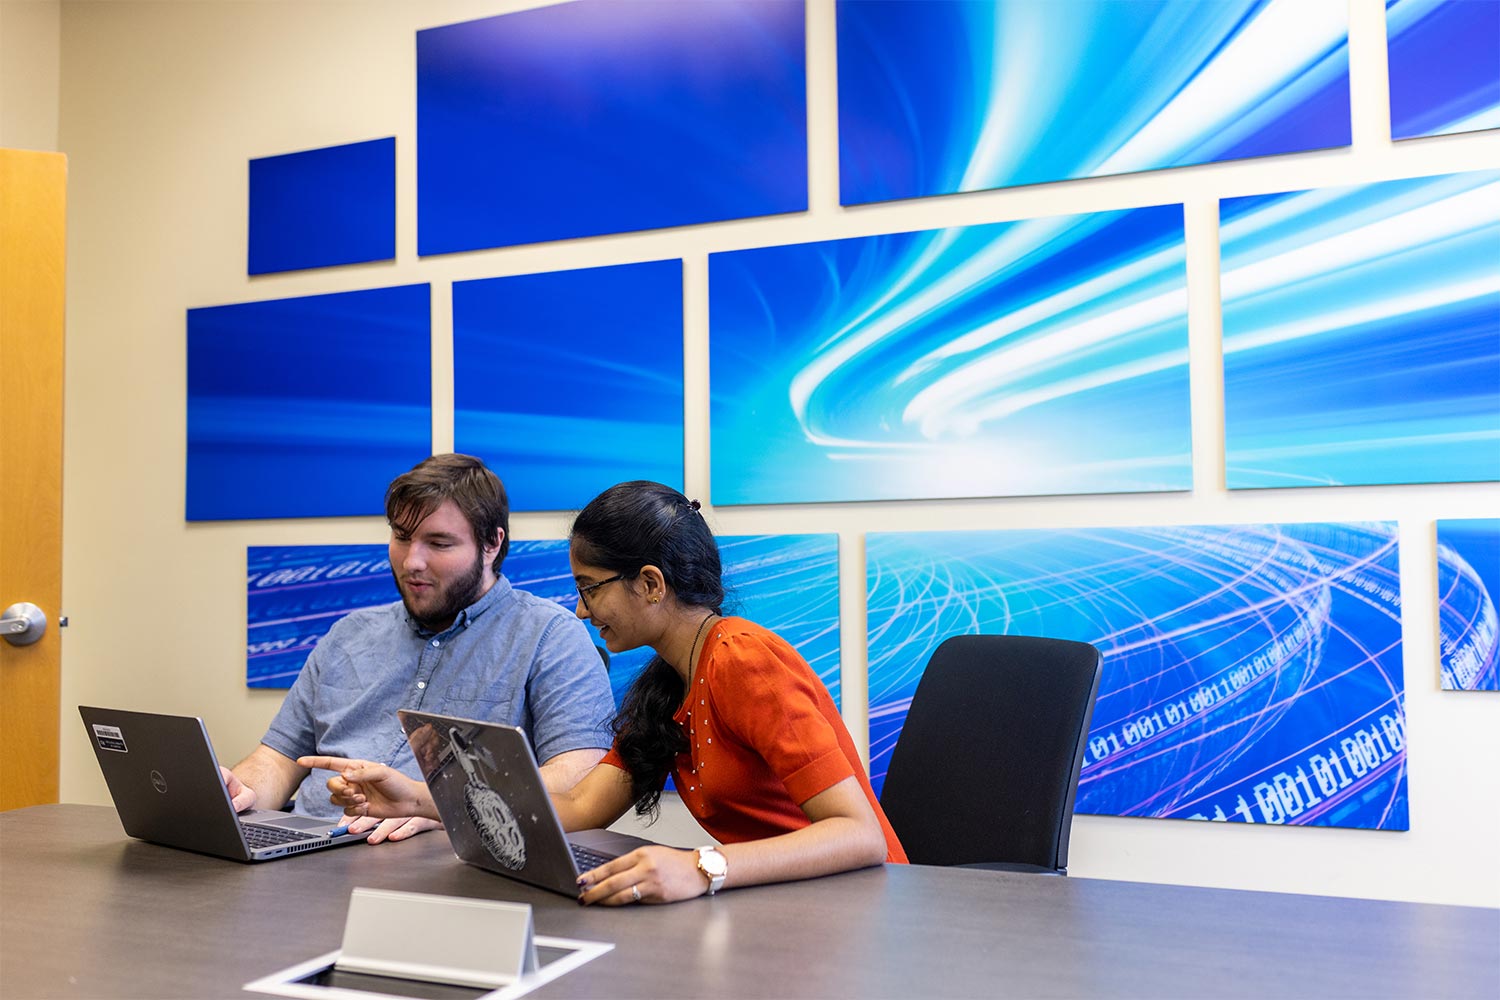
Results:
<point x="399" y="828"/>
<point x="266" y="778"/>
<point x="241" y="794"/>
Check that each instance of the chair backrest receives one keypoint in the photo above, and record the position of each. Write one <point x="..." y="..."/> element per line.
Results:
<point x="986" y="767"/>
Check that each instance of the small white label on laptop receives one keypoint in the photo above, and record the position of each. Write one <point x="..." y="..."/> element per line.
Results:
<point x="110" y="738"/>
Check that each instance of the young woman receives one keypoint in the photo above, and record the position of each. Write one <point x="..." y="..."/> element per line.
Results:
<point x="727" y="708"/>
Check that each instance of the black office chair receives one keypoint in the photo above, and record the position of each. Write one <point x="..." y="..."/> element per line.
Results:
<point x="985" y="770"/>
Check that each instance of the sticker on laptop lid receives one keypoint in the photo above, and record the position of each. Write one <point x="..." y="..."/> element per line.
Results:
<point x="110" y="738"/>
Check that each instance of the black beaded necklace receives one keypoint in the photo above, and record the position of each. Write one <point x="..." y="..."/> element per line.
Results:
<point x="693" y="653"/>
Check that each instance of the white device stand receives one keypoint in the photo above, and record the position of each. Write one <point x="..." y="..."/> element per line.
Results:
<point x="424" y="938"/>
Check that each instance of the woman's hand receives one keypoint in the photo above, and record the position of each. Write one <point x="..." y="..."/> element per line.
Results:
<point x="365" y="788"/>
<point x="645" y="875"/>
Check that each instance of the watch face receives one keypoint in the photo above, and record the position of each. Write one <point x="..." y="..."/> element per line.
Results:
<point x="713" y="863"/>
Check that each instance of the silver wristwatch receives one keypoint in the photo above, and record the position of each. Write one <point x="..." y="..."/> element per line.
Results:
<point x="714" y="867"/>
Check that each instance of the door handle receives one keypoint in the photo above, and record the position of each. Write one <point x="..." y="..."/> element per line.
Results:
<point x="23" y="624"/>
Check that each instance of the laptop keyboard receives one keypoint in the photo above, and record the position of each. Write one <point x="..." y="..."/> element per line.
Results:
<point x="586" y="858"/>
<point x="273" y="836"/>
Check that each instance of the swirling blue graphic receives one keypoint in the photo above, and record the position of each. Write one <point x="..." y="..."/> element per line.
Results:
<point x="1468" y="566"/>
<point x="1362" y="333"/>
<point x="1252" y="673"/>
<point x="1444" y="65"/>
<point x="321" y="207"/>
<point x="609" y="116"/>
<point x="943" y="96"/>
<point x="306" y="407"/>
<point x="570" y="381"/>
<point x="1037" y="357"/>
<point x="295" y="593"/>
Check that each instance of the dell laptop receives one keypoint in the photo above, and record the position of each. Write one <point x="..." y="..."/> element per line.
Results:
<point x="164" y="778"/>
<point x="496" y="809"/>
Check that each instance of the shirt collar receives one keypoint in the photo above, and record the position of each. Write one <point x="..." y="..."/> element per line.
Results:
<point x="496" y="594"/>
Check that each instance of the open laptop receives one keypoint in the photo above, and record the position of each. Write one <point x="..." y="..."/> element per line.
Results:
<point x="164" y="778"/>
<point x="496" y="809"/>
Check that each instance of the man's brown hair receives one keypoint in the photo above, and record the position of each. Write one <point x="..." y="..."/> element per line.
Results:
<point x="465" y="480"/>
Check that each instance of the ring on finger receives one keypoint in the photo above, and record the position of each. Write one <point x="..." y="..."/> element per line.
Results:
<point x="635" y="893"/>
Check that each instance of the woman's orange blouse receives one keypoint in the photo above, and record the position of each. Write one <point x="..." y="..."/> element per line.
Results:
<point x="763" y="737"/>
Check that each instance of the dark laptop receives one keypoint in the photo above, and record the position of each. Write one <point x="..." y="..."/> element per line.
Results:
<point x="164" y="778"/>
<point x="498" y="814"/>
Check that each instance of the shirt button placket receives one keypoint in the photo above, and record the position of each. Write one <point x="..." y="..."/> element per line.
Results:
<point x="426" y="665"/>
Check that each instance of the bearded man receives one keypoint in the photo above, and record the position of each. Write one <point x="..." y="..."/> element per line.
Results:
<point x="461" y="641"/>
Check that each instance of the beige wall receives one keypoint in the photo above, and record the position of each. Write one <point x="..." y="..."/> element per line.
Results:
<point x="163" y="104"/>
<point x="30" y="46"/>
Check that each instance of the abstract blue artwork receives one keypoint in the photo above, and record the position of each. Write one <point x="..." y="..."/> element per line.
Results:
<point x="568" y="382"/>
<point x="1468" y="565"/>
<point x="788" y="583"/>
<point x="306" y="407"/>
<point x="1038" y="357"/>
<point x="322" y="207"/>
<point x="1252" y="673"/>
<point x="608" y="116"/>
<point x="294" y="594"/>
<point x="1362" y="333"/>
<point x="943" y="96"/>
<point x="1444" y="64"/>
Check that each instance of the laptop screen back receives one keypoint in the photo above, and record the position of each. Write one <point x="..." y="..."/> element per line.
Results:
<point x="489" y="792"/>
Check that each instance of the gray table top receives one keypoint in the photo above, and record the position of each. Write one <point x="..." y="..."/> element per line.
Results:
<point x="87" y="912"/>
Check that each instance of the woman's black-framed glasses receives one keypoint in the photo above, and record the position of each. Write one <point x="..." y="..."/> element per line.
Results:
<point x="583" y="592"/>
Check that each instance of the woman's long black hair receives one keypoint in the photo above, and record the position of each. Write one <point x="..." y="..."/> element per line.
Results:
<point x="622" y="530"/>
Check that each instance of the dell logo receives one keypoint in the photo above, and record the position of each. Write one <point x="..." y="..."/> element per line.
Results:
<point x="158" y="782"/>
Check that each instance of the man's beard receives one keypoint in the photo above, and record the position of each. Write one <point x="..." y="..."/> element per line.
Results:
<point x="463" y="592"/>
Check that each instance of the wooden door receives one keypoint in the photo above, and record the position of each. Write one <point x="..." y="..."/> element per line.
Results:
<point x="32" y="214"/>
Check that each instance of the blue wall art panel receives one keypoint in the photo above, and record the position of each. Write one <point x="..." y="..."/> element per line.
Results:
<point x="306" y="407"/>
<point x="571" y="381"/>
<point x="322" y="207"/>
<point x="1362" y="333"/>
<point x="943" y="96"/>
<point x="1252" y="673"/>
<point x="294" y="594"/>
<point x="1037" y="357"/>
<point x="1468" y="565"/>
<point x="788" y="583"/>
<point x="608" y="116"/>
<point x="1444" y="63"/>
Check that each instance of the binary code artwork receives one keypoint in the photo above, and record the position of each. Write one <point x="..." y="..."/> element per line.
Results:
<point x="1468" y="576"/>
<point x="1252" y="673"/>
<point x="295" y="594"/>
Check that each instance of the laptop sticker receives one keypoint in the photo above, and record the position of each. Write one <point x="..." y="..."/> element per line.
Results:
<point x="489" y="812"/>
<point x="110" y="738"/>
